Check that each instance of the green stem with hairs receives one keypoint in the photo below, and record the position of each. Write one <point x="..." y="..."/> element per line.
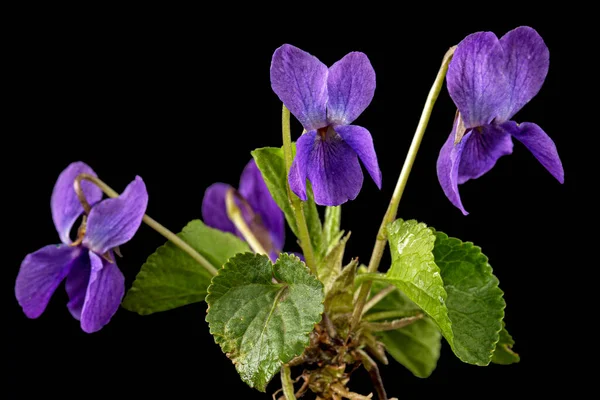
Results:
<point x="296" y="203"/>
<point x="392" y="210"/>
<point x="286" y="383"/>
<point x="176" y="240"/>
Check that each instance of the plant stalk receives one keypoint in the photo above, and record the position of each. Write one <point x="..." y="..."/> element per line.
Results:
<point x="392" y="210"/>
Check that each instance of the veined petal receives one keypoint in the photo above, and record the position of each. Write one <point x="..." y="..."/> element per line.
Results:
<point x="64" y="203"/>
<point x="484" y="146"/>
<point x="333" y="170"/>
<point x="113" y="222"/>
<point x="360" y="140"/>
<point x="104" y="294"/>
<point x="40" y="274"/>
<point x="300" y="81"/>
<point x="476" y="80"/>
<point x="76" y="285"/>
<point x="447" y="167"/>
<point x="350" y="86"/>
<point x="540" y="145"/>
<point x="299" y="169"/>
<point x="254" y="189"/>
<point x="214" y="209"/>
<point x="526" y="65"/>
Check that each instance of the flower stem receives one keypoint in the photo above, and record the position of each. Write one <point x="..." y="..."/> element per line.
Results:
<point x="286" y="382"/>
<point x="392" y="210"/>
<point x="235" y="215"/>
<point x="296" y="203"/>
<point x="176" y="240"/>
<point x="378" y="297"/>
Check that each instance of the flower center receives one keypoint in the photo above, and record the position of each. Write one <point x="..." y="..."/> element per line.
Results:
<point x="323" y="132"/>
<point x="80" y="232"/>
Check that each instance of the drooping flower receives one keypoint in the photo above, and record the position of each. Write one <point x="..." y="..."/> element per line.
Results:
<point x="326" y="101"/>
<point x="490" y="80"/>
<point x="94" y="283"/>
<point x="260" y="212"/>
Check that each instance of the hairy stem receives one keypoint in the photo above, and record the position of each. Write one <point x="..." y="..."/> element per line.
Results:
<point x="286" y="383"/>
<point x="296" y="203"/>
<point x="235" y="216"/>
<point x="392" y="325"/>
<point x="371" y="366"/>
<point x="389" y="315"/>
<point x="176" y="240"/>
<point x="378" y="297"/>
<point x="392" y="210"/>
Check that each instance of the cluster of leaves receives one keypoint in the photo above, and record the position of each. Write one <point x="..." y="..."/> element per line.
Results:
<point x="262" y="314"/>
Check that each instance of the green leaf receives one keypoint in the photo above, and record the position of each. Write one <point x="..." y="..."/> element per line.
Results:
<point x="415" y="273"/>
<point x="330" y="267"/>
<point x="504" y="354"/>
<point x="416" y="346"/>
<point x="261" y="324"/>
<point x="271" y="163"/>
<point x="475" y="303"/>
<point x="170" y="278"/>
<point x="458" y="291"/>
<point x="340" y="297"/>
<point x="331" y="229"/>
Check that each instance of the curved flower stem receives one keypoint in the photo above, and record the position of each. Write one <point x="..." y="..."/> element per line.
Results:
<point x="235" y="215"/>
<point x="392" y="210"/>
<point x="176" y="240"/>
<point x="296" y="203"/>
<point x="286" y="383"/>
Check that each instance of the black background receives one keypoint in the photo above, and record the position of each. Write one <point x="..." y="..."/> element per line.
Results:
<point x="182" y="103"/>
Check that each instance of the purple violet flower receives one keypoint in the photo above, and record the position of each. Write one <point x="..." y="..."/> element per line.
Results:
<point x="258" y="208"/>
<point x="326" y="101"/>
<point x="490" y="80"/>
<point x="94" y="283"/>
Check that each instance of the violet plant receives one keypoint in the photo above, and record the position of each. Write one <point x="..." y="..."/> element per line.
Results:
<point x="271" y="311"/>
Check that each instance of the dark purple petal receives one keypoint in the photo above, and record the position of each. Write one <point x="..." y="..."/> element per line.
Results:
<point x="299" y="169"/>
<point x="113" y="222"/>
<point x="350" y="86"/>
<point x="360" y="140"/>
<point x="333" y="170"/>
<point x="76" y="285"/>
<point x="484" y="146"/>
<point x="476" y="80"/>
<point x="104" y="294"/>
<point x="527" y="59"/>
<point x="254" y="189"/>
<point x="41" y="273"/>
<point x="447" y="167"/>
<point x="214" y="210"/>
<point x="540" y="145"/>
<point x="64" y="204"/>
<point x="300" y="81"/>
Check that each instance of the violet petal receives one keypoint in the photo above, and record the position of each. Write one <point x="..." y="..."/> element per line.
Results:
<point x="476" y="80"/>
<point x="214" y="209"/>
<point x="76" y="285"/>
<point x="447" y="167"/>
<point x="526" y="65"/>
<point x="333" y="170"/>
<point x="113" y="222"/>
<point x="254" y="189"/>
<point x="300" y="81"/>
<point x="481" y="150"/>
<point x="64" y="203"/>
<point x="350" y="86"/>
<point x="360" y="140"/>
<point x="540" y="145"/>
<point x="299" y="169"/>
<point x="40" y="274"/>
<point x="104" y="294"/>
